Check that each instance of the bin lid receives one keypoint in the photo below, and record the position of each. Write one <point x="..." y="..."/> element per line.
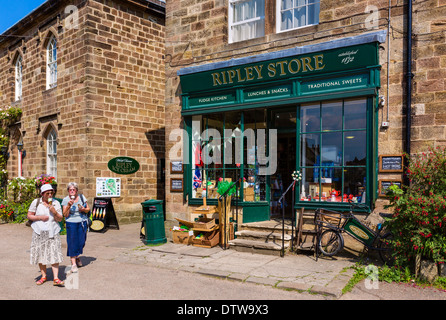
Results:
<point x="151" y="202"/>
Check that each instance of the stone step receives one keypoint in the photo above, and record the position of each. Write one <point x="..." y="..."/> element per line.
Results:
<point x="256" y="246"/>
<point x="264" y="236"/>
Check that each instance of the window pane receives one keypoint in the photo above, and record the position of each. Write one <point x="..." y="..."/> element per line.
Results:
<point x="331" y="150"/>
<point x="331" y="182"/>
<point x="287" y="4"/>
<point x="212" y="153"/>
<point x="299" y="17"/>
<point x="310" y="118"/>
<point x="355" y="114"/>
<point x="354" y="183"/>
<point x="197" y="182"/>
<point x="332" y="115"/>
<point x="287" y="20"/>
<point x="312" y="18"/>
<point x="355" y="148"/>
<point x="212" y="179"/>
<point x="285" y="119"/>
<point x="310" y="184"/>
<point x="310" y="150"/>
<point x="232" y="139"/>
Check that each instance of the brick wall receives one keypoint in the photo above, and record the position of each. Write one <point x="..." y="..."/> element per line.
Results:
<point x="109" y="99"/>
<point x="197" y="33"/>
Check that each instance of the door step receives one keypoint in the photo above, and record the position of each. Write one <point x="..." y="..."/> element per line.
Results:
<point x="262" y="237"/>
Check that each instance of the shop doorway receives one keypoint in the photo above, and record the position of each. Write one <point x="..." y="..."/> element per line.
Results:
<point x="285" y="123"/>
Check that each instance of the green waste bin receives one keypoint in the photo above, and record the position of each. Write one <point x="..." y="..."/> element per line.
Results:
<point x="62" y="223"/>
<point x="153" y="217"/>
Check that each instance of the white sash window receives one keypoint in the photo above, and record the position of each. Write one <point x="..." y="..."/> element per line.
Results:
<point x="246" y="19"/>
<point x="293" y="14"/>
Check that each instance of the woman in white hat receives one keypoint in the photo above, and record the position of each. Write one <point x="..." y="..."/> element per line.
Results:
<point x="46" y="245"/>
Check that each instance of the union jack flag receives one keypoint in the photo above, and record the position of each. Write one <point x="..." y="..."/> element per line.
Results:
<point x="197" y="178"/>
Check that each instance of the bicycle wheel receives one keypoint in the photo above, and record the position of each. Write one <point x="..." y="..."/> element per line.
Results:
<point x="330" y="242"/>
<point x="385" y="249"/>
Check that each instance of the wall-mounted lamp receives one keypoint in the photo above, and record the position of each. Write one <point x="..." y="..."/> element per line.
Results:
<point x="20" y="148"/>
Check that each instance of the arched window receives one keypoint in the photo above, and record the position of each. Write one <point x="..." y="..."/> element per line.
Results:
<point x="51" y="63"/>
<point x="18" y="78"/>
<point x="51" y="153"/>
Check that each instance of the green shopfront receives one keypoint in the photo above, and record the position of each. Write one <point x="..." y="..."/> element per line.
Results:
<point x="260" y="118"/>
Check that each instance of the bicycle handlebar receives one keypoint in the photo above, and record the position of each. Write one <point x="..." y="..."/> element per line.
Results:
<point x="358" y="205"/>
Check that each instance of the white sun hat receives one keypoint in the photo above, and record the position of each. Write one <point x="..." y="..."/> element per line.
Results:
<point x="45" y="187"/>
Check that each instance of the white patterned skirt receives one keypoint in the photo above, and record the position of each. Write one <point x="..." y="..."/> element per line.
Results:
<point x="45" y="250"/>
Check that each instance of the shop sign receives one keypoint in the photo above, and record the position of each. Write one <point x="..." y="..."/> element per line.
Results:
<point x="311" y="64"/>
<point x="123" y="165"/>
<point x="348" y="82"/>
<point x="269" y="92"/>
<point x="212" y="99"/>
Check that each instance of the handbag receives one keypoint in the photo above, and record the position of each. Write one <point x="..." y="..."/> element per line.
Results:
<point x="88" y="214"/>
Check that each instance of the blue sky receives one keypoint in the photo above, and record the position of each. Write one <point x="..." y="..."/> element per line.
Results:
<point x="12" y="11"/>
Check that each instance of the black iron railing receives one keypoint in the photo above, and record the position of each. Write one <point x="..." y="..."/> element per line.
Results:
<point x="281" y="202"/>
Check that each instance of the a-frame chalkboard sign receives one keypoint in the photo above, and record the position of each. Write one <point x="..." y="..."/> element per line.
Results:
<point x="103" y="215"/>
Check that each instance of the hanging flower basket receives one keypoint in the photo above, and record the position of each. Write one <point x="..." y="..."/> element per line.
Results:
<point x="46" y="179"/>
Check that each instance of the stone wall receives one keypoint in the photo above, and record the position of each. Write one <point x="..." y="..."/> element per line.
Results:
<point x="109" y="99"/>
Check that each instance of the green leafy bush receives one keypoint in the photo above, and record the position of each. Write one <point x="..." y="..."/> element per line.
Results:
<point x="419" y="219"/>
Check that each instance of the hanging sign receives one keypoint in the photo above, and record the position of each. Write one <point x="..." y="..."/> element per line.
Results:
<point x="123" y="165"/>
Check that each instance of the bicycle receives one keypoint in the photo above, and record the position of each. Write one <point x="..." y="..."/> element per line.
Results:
<point x="331" y="224"/>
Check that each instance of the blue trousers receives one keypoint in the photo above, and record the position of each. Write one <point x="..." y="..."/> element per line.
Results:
<point x="76" y="237"/>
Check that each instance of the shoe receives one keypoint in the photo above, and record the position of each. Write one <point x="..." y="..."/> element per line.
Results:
<point x="79" y="263"/>
<point x="58" y="283"/>
<point x="41" y="281"/>
<point x="73" y="269"/>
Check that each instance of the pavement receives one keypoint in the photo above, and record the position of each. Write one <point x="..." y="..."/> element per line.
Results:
<point x="299" y="272"/>
<point x="294" y="272"/>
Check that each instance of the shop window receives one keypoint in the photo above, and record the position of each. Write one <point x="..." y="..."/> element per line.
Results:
<point x="246" y="19"/>
<point x="18" y="78"/>
<point x="293" y="14"/>
<point x="51" y="153"/>
<point x="221" y="151"/>
<point x="333" y="142"/>
<point x="51" y="63"/>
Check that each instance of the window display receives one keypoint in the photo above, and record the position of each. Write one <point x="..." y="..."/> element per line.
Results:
<point x="223" y="152"/>
<point x="333" y="151"/>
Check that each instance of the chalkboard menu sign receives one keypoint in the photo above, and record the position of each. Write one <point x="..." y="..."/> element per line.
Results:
<point x="103" y="215"/>
<point x="176" y="185"/>
<point x="384" y="184"/>
<point x="176" y="167"/>
<point x="391" y="163"/>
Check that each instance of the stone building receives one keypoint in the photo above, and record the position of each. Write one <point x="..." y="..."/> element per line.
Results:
<point x="89" y="77"/>
<point x="331" y="77"/>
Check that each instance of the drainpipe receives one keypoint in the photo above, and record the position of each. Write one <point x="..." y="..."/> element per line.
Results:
<point x="409" y="77"/>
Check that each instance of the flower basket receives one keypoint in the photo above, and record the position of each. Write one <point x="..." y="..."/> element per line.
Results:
<point x="45" y="179"/>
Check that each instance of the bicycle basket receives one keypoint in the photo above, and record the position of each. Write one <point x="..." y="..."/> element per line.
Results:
<point x="328" y="219"/>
